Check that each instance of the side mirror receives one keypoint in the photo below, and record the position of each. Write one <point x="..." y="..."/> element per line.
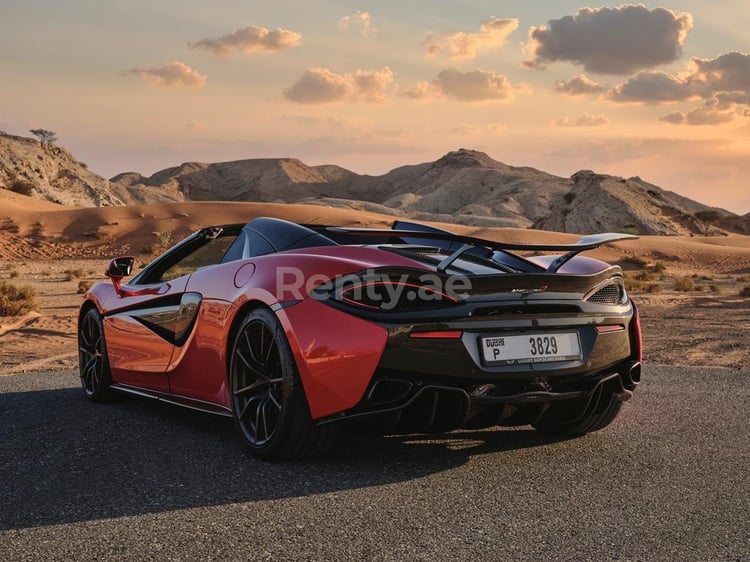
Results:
<point x="117" y="269"/>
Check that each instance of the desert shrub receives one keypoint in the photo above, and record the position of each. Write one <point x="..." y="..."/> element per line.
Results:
<point x="148" y="250"/>
<point x="13" y="273"/>
<point x="23" y="187"/>
<point x="633" y="284"/>
<point x="16" y="300"/>
<point x="743" y="279"/>
<point x="714" y="288"/>
<point x="653" y="288"/>
<point x="165" y="238"/>
<point x="684" y="284"/>
<point x="659" y="267"/>
<point x="98" y="234"/>
<point x="645" y="276"/>
<point x="83" y="286"/>
<point x="745" y="291"/>
<point x="71" y="274"/>
<point x="637" y="261"/>
<point x="630" y="229"/>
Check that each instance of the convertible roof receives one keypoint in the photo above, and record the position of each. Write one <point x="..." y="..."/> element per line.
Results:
<point x="284" y="235"/>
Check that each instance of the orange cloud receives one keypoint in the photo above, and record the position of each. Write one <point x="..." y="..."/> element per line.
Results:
<point x="493" y="33"/>
<point x="585" y="120"/>
<point x="321" y="85"/>
<point x="173" y="74"/>
<point x="251" y="39"/>
<point x="579" y="85"/>
<point x="473" y="86"/>
<point x="361" y="19"/>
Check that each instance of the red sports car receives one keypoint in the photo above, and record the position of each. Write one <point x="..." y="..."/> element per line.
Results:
<point x="297" y="330"/>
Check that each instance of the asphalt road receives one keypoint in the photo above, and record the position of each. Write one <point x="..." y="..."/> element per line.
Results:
<point x="669" y="480"/>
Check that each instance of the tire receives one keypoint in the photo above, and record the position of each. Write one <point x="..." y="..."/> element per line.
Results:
<point x="93" y="363"/>
<point x="268" y="402"/>
<point x="586" y="424"/>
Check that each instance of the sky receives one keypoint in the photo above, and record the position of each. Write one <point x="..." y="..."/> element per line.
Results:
<point x="655" y="90"/>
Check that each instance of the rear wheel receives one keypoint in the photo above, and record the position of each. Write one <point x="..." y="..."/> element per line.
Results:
<point x="268" y="401"/>
<point x="93" y="364"/>
<point x="586" y="424"/>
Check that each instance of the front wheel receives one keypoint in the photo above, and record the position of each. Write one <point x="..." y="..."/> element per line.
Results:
<point x="268" y="401"/>
<point x="93" y="364"/>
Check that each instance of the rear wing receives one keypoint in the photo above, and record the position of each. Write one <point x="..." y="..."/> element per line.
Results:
<point x="462" y="244"/>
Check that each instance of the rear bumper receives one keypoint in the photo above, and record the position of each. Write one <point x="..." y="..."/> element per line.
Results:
<point x="400" y="403"/>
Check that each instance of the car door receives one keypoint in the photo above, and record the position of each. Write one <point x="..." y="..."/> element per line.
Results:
<point x="140" y="334"/>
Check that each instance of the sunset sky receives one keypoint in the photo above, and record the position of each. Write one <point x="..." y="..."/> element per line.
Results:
<point x="657" y="90"/>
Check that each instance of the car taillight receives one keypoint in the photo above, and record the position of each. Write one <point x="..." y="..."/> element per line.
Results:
<point x="636" y="338"/>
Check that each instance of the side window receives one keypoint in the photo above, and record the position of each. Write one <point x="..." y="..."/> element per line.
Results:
<point x="259" y="246"/>
<point x="249" y="244"/>
<point x="210" y="253"/>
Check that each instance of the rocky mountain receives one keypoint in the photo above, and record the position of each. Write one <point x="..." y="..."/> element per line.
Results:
<point x="50" y="173"/>
<point x="464" y="186"/>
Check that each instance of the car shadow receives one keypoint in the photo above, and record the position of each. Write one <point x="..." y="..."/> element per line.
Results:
<point x="65" y="459"/>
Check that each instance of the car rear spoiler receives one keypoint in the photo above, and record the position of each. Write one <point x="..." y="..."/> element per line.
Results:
<point x="406" y="232"/>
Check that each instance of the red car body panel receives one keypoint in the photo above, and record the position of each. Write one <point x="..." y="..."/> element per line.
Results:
<point x="336" y="354"/>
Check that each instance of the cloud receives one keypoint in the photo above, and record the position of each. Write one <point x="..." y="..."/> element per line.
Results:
<point x="320" y="86"/>
<point x="361" y="19"/>
<point x="619" y="40"/>
<point x="173" y="74"/>
<point x="251" y="39"/>
<point x="578" y="86"/>
<point x="723" y="83"/>
<point x="492" y="34"/>
<point x="473" y="86"/>
<point x="585" y="120"/>
<point x="708" y="116"/>
<point x="675" y="118"/>
<point x="652" y="87"/>
<point x="728" y="72"/>
<point x="465" y="130"/>
<point x="423" y="90"/>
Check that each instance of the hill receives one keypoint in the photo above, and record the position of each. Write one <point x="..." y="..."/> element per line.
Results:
<point x="462" y="187"/>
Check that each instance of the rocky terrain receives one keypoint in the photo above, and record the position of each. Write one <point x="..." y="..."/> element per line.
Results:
<point x="463" y="187"/>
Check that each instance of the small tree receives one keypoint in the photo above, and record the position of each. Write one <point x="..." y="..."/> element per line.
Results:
<point x="45" y="137"/>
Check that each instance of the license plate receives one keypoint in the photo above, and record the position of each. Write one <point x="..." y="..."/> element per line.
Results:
<point x="531" y="348"/>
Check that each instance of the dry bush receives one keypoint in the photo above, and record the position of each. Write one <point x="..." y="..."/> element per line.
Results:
<point x="23" y="187"/>
<point x="653" y="288"/>
<point x="16" y="300"/>
<point x="637" y="261"/>
<point x="71" y="274"/>
<point x="659" y="267"/>
<point x="633" y="284"/>
<point x="684" y="284"/>
<point x="83" y="286"/>
<point x="165" y="238"/>
<point x="745" y="291"/>
<point x="714" y="288"/>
